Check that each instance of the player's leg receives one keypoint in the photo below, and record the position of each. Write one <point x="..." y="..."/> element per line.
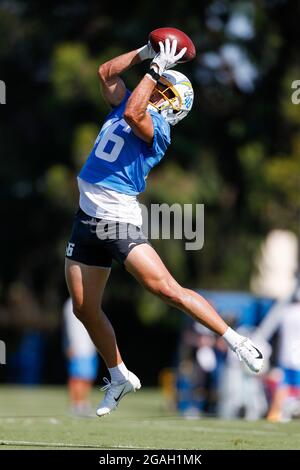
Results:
<point x="275" y="410"/>
<point x="82" y="361"/>
<point x="86" y="286"/>
<point x="280" y="409"/>
<point x="79" y="390"/>
<point x="82" y="371"/>
<point x="146" y="266"/>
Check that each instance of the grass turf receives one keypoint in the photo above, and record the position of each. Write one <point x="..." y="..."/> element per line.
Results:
<point x="37" y="418"/>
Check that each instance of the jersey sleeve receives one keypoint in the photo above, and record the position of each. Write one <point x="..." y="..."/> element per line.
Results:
<point x="161" y="137"/>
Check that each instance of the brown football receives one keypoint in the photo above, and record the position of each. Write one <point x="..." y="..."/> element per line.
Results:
<point x="183" y="40"/>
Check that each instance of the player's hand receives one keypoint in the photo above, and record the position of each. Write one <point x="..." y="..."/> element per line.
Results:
<point x="167" y="57"/>
<point x="146" y="52"/>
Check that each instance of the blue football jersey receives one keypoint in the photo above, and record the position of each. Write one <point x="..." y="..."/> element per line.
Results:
<point x="119" y="159"/>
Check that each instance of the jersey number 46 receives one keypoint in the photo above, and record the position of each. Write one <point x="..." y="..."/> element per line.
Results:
<point x="111" y="144"/>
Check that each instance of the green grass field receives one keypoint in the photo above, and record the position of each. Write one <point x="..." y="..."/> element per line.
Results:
<point x="39" y="419"/>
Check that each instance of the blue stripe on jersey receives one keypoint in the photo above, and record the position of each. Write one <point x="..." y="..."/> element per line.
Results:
<point x="119" y="159"/>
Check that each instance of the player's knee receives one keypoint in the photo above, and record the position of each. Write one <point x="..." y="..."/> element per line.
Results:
<point x="87" y="312"/>
<point x="80" y="311"/>
<point x="169" y="291"/>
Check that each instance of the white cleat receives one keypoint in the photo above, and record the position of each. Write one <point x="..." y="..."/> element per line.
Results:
<point x="115" y="392"/>
<point x="250" y="355"/>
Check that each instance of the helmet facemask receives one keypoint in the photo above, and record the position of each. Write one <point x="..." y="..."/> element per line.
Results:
<point x="169" y="97"/>
<point x="172" y="103"/>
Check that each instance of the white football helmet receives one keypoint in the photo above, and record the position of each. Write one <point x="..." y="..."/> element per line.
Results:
<point x="177" y="96"/>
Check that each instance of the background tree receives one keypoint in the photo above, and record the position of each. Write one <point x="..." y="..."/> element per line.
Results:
<point x="238" y="152"/>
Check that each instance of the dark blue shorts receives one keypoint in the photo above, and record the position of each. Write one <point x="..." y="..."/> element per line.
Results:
<point x="96" y="242"/>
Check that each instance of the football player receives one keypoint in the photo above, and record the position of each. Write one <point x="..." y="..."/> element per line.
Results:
<point x="133" y="139"/>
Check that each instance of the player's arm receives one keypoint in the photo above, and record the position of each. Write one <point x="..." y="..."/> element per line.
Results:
<point x="136" y="114"/>
<point x="112" y="86"/>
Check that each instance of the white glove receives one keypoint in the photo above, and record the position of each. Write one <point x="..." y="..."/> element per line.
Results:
<point x="167" y="57"/>
<point x="146" y="52"/>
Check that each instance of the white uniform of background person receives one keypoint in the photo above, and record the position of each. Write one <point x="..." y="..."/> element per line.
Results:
<point x="78" y="340"/>
<point x="241" y="392"/>
<point x="289" y="346"/>
<point x="284" y="317"/>
<point x="82" y="362"/>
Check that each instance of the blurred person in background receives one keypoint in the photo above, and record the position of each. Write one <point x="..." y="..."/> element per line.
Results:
<point x="241" y="394"/>
<point x="284" y="318"/>
<point x="29" y="325"/>
<point x="188" y="399"/>
<point x="82" y="362"/>
<point x="200" y="360"/>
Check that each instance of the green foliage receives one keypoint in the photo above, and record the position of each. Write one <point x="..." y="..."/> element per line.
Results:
<point x="59" y="186"/>
<point x="73" y="73"/>
<point x="151" y="309"/>
<point x="238" y="152"/>
<point x="84" y="137"/>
